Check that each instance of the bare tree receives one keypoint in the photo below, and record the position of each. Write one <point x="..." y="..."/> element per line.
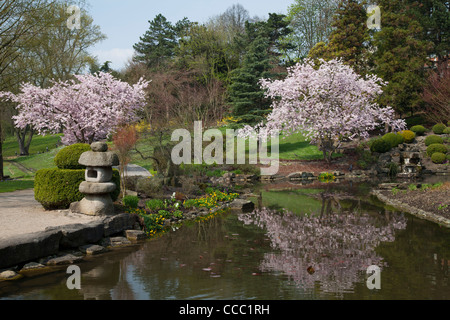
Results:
<point x="311" y="21"/>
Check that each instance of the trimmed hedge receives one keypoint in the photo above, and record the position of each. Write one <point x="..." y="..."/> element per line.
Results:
<point x="439" y="128"/>
<point x="408" y="135"/>
<point x="58" y="188"/>
<point x="433" y="139"/>
<point x="380" y="146"/>
<point x="394" y="139"/>
<point x="437" y="147"/>
<point x="67" y="158"/>
<point x="438" y="157"/>
<point x="419" y="130"/>
<point x="447" y="130"/>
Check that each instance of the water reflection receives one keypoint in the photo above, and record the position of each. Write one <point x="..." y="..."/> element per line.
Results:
<point x="330" y="250"/>
<point x="321" y="250"/>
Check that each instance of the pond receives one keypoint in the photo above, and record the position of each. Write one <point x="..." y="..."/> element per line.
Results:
<point x="309" y="243"/>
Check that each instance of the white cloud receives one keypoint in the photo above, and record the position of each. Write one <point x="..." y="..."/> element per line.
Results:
<point x="118" y="57"/>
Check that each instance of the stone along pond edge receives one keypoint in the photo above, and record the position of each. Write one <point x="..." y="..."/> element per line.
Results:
<point x="46" y="251"/>
<point x="402" y="206"/>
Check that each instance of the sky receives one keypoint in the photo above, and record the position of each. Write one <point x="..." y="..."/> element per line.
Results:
<point x="125" y="21"/>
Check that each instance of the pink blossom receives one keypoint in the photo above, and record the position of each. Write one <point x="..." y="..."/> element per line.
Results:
<point x="328" y="104"/>
<point x="85" y="109"/>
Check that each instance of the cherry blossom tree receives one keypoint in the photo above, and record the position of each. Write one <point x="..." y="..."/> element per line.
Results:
<point x="86" y="109"/>
<point x="328" y="102"/>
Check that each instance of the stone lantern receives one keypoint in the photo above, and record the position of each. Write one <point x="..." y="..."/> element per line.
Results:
<point x="98" y="185"/>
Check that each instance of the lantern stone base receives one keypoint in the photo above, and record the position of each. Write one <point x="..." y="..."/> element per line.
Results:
<point x="94" y="205"/>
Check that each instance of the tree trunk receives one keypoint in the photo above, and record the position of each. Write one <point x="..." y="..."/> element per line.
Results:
<point x="24" y="143"/>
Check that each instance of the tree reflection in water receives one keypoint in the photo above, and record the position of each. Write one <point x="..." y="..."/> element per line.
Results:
<point x="331" y="250"/>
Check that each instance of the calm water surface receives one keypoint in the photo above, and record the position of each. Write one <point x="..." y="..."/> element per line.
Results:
<point x="298" y="244"/>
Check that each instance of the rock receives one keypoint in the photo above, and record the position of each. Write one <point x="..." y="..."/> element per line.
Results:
<point x="99" y="159"/>
<point x="75" y="235"/>
<point x="241" y="204"/>
<point x="29" y="247"/>
<point x="63" y="260"/>
<point x="97" y="188"/>
<point x="115" y="242"/>
<point x="94" y="205"/>
<point x="33" y="269"/>
<point x="135" y="235"/>
<point x="99" y="147"/>
<point x="118" y="223"/>
<point x="32" y="266"/>
<point x="10" y="275"/>
<point x="92" y="249"/>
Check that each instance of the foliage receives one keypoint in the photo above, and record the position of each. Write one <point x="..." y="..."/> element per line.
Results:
<point x="130" y="201"/>
<point x="160" y="41"/>
<point x="67" y="158"/>
<point x="438" y="157"/>
<point x="394" y="139"/>
<point x="447" y="130"/>
<point x="433" y="148"/>
<point x="58" y="188"/>
<point x="155" y="204"/>
<point x="246" y="96"/>
<point x="418" y="130"/>
<point x="408" y="136"/>
<point x="436" y="94"/>
<point x="432" y="139"/>
<point x="400" y="55"/>
<point x="124" y="140"/>
<point x="380" y="146"/>
<point x="439" y="128"/>
<point x="328" y="109"/>
<point x="311" y="21"/>
<point x="393" y="169"/>
<point x="211" y="200"/>
<point x="349" y="37"/>
<point x="86" y="109"/>
<point x="327" y="176"/>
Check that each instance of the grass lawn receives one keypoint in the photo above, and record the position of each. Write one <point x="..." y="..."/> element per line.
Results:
<point x="14" y="185"/>
<point x="38" y="144"/>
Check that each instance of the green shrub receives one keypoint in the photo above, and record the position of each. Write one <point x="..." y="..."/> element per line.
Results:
<point x="437" y="147"/>
<point x="439" y="128"/>
<point x="419" y="130"/>
<point x="438" y="157"/>
<point x="447" y="130"/>
<point x="408" y="135"/>
<point x="58" y="188"/>
<point x="190" y="203"/>
<point x="131" y="201"/>
<point x="380" y="146"/>
<point x="433" y="139"/>
<point x="394" y="139"/>
<point x="68" y="157"/>
<point x="155" y="204"/>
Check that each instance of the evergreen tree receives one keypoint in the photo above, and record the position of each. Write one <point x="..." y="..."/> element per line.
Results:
<point x="246" y="95"/>
<point x="434" y="17"/>
<point x="158" y="44"/>
<point x="349" y="38"/>
<point x="400" y="55"/>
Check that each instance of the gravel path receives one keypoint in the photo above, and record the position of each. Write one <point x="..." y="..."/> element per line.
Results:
<point x="21" y="214"/>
